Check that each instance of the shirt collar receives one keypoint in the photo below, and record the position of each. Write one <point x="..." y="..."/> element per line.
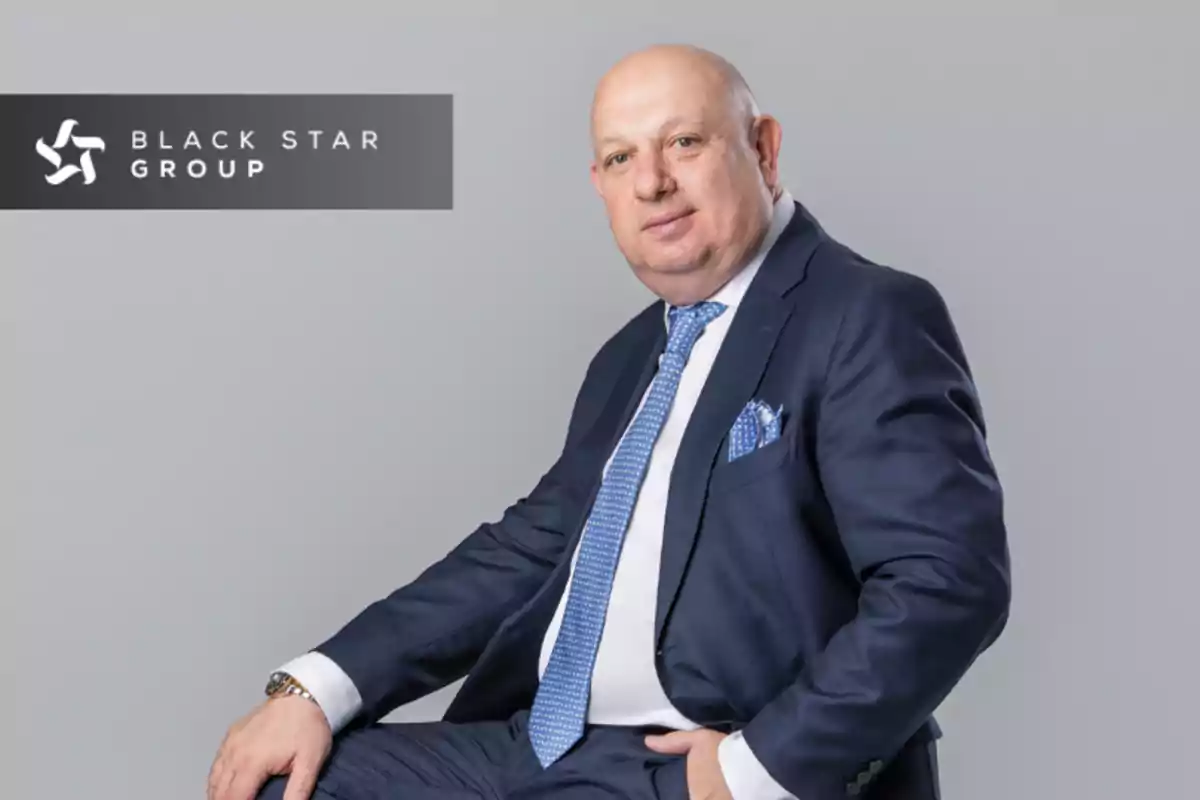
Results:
<point x="735" y="288"/>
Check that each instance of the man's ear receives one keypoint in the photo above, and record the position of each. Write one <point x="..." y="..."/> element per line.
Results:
<point x="595" y="173"/>
<point x="765" y="136"/>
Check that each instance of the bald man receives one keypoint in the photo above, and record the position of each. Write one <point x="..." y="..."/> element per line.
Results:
<point x="771" y="545"/>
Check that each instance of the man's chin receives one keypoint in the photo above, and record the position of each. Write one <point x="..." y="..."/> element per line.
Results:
<point x="673" y="263"/>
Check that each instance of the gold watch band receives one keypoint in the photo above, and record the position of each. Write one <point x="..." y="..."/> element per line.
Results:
<point x="283" y="684"/>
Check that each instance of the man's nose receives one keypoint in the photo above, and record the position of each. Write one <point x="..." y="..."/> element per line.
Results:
<point x="654" y="179"/>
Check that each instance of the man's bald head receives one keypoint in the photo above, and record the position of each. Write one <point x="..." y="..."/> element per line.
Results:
<point x="686" y="166"/>
<point x="721" y="77"/>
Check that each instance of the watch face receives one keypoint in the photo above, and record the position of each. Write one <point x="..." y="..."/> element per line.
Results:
<point x="276" y="682"/>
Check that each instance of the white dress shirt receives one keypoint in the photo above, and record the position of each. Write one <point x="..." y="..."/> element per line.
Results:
<point x="625" y="688"/>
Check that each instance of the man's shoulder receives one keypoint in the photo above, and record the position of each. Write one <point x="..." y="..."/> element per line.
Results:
<point x="850" y="279"/>
<point x="840" y="268"/>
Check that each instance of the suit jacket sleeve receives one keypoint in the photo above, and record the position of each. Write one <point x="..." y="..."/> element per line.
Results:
<point x="430" y="632"/>
<point x="917" y="505"/>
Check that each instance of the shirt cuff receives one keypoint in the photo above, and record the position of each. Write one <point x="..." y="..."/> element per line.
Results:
<point x="744" y="774"/>
<point x="332" y="688"/>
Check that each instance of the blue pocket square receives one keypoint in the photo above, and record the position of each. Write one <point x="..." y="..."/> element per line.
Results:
<point x="755" y="427"/>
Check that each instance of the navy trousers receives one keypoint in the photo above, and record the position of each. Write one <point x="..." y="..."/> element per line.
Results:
<point x="494" y="761"/>
<point x="491" y="760"/>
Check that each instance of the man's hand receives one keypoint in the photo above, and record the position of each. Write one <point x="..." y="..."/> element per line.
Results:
<point x="704" y="777"/>
<point x="284" y="735"/>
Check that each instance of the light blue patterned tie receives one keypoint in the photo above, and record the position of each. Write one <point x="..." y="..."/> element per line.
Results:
<point x="560" y="707"/>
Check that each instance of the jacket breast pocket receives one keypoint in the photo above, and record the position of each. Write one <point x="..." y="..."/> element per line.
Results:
<point x="730" y="474"/>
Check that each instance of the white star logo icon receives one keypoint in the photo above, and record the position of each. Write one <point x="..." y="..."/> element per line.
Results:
<point x="85" y="143"/>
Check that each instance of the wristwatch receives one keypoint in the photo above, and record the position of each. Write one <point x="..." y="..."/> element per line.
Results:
<point x="281" y="684"/>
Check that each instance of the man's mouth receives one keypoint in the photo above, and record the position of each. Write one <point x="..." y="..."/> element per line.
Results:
<point x="662" y="220"/>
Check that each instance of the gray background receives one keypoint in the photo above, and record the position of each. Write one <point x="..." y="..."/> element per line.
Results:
<point x="225" y="432"/>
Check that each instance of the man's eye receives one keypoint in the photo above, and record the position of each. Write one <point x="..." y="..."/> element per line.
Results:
<point x="686" y="140"/>
<point x="617" y="159"/>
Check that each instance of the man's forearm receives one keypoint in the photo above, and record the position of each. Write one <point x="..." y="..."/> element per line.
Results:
<point x="429" y="633"/>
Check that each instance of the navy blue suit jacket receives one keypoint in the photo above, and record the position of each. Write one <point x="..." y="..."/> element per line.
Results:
<point x="823" y="593"/>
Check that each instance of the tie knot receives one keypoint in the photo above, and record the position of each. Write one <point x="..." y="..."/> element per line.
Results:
<point x="687" y="323"/>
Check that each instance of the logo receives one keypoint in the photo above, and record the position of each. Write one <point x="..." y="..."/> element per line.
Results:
<point x="85" y="143"/>
<point x="227" y="151"/>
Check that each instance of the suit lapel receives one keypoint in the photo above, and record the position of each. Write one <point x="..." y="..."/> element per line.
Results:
<point x="734" y="378"/>
<point x="735" y="375"/>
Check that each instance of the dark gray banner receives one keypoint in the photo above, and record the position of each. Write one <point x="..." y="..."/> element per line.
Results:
<point x="267" y="151"/>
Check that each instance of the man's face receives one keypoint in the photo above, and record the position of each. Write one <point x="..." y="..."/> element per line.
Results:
<point x="680" y="179"/>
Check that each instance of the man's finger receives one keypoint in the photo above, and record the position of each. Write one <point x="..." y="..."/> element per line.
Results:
<point x="218" y="774"/>
<point x="214" y="775"/>
<point x="677" y="742"/>
<point x="223" y="781"/>
<point x="218" y="778"/>
<point x="213" y="770"/>
<point x="245" y="784"/>
<point x="302" y="781"/>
